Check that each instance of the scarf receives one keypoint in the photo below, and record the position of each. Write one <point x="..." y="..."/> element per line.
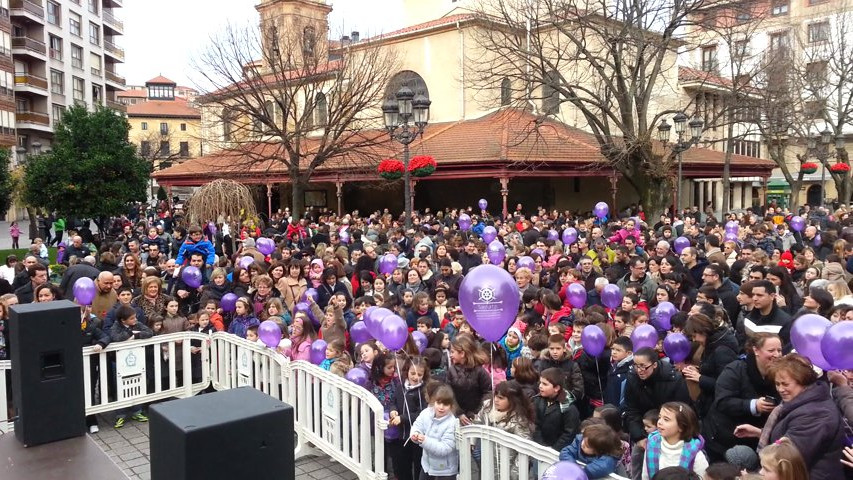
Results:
<point x="689" y="451"/>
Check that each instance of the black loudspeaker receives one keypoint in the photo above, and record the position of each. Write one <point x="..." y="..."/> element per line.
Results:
<point x="237" y="433"/>
<point x="47" y="371"/>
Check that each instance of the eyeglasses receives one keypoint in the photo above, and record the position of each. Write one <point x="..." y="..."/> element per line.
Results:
<point x="643" y="368"/>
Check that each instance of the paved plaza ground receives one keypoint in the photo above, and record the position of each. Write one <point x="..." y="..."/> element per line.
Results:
<point x="128" y="447"/>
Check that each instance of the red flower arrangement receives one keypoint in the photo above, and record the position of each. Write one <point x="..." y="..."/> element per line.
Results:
<point x="808" y="167"/>
<point x="422" y="166"/>
<point x="840" y="168"/>
<point x="391" y="169"/>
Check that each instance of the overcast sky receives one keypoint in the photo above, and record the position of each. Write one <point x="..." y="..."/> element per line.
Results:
<point x="162" y="36"/>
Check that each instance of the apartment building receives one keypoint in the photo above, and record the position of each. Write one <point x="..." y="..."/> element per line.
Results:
<point x="7" y="80"/>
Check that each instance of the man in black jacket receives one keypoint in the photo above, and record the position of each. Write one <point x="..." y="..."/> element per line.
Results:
<point x="766" y="316"/>
<point x="470" y="258"/>
<point x="38" y="276"/>
<point x="86" y="268"/>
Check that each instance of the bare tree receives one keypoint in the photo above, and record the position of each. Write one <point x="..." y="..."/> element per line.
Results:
<point x="607" y="65"/>
<point x="278" y="97"/>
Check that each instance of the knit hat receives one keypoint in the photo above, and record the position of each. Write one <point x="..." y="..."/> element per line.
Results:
<point x="743" y="457"/>
<point x="249" y="242"/>
<point x="516" y="331"/>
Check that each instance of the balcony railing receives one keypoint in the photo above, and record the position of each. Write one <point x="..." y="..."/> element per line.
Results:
<point x="114" y="49"/>
<point x="109" y="19"/>
<point x="28" y="79"/>
<point x="33" y="117"/>
<point x="119" y="107"/>
<point x="30" y="44"/>
<point x="112" y="77"/>
<point x="26" y="6"/>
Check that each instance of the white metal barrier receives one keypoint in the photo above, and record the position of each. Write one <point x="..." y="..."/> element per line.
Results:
<point x="5" y="396"/>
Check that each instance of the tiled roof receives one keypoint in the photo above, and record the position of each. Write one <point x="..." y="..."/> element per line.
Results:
<point x="448" y="20"/>
<point x="687" y="74"/>
<point x="164" y="108"/>
<point x="136" y="93"/>
<point x="159" y="79"/>
<point x="499" y="139"/>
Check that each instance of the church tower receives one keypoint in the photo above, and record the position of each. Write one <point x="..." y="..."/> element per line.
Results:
<point x="296" y="26"/>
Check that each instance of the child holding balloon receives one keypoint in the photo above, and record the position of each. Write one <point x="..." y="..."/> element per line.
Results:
<point x="383" y="380"/>
<point x="410" y="401"/>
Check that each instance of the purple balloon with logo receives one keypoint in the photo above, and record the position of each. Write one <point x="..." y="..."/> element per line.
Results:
<point x="358" y="376"/>
<point x="393" y="332"/>
<point x="488" y="296"/>
<point x="270" y="333"/>
<point x="663" y="315"/>
<point x="420" y="340"/>
<point x="191" y="276"/>
<point x="265" y="245"/>
<point x="576" y="293"/>
<point x="359" y="334"/>
<point x="244" y="262"/>
<point x="837" y="345"/>
<point x="496" y="252"/>
<point x="318" y="351"/>
<point x="570" y="236"/>
<point x="798" y="223"/>
<point x="564" y="470"/>
<point x="807" y="334"/>
<point x="464" y="222"/>
<point x="553" y="234"/>
<point x="526" y="262"/>
<point x="611" y="296"/>
<point x="489" y="234"/>
<point x="229" y="302"/>
<point x="680" y="244"/>
<point x="84" y="290"/>
<point x="593" y="340"/>
<point x="601" y="210"/>
<point x="644" y="335"/>
<point x="483" y="204"/>
<point x="387" y="264"/>
<point x="677" y="347"/>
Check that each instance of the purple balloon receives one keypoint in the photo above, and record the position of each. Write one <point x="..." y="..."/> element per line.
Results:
<point x="420" y="340"/>
<point x="265" y="245"/>
<point x="807" y="334"/>
<point x="84" y="290"/>
<point x="798" y="223"/>
<point x="553" y="234"/>
<point x="305" y="307"/>
<point x="229" y="302"/>
<point x="373" y="317"/>
<point x="489" y="299"/>
<point x="663" y="315"/>
<point x="310" y="292"/>
<point x="387" y="264"/>
<point x="732" y="227"/>
<point x="483" y="204"/>
<point x="489" y="234"/>
<point x="211" y="227"/>
<point x="191" y="276"/>
<point x="318" y="351"/>
<point x="526" y="262"/>
<point x="570" y="236"/>
<point x="270" y="333"/>
<point x="344" y="236"/>
<point x="680" y="244"/>
<point x="644" y="335"/>
<point x="540" y="252"/>
<point x="677" y="347"/>
<point x="565" y="470"/>
<point x="244" y="262"/>
<point x="464" y="222"/>
<point x="601" y="210"/>
<point x="358" y="376"/>
<point x="817" y="240"/>
<point x="358" y="333"/>
<point x="593" y="340"/>
<point x="837" y="345"/>
<point x="611" y="296"/>
<point x="576" y="293"/>
<point x="496" y="252"/>
<point x="730" y="237"/>
<point x="393" y="332"/>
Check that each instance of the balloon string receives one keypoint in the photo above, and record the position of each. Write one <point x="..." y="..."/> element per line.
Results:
<point x="598" y="376"/>
<point x="491" y="371"/>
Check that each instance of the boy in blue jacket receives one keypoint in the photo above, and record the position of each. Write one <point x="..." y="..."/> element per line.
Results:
<point x="196" y="244"/>
<point x="598" y="448"/>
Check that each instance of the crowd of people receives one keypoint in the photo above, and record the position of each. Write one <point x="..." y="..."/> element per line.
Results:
<point x="742" y="405"/>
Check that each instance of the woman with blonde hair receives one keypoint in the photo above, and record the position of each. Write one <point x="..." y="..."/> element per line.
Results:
<point x="840" y="292"/>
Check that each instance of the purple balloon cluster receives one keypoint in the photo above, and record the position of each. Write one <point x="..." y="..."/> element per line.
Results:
<point x="827" y="345"/>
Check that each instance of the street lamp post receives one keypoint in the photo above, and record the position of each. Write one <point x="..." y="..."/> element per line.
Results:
<point x="397" y="115"/>
<point x="681" y="145"/>
<point x="822" y="154"/>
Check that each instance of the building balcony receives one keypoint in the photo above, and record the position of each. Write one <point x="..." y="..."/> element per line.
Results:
<point x="119" y="107"/>
<point x="27" y="82"/>
<point x="29" y="46"/>
<point x="114" y="51"/>
<point x="33" y="120"/>
<point x="113" y="3"/>
<point x="112" y="77"/>
<point x="112" y="22"/>
<point x="31" y="10"/>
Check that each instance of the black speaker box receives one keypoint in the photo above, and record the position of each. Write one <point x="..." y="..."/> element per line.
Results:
<point x="47" y="371"/>
<point x="237" y="433"/>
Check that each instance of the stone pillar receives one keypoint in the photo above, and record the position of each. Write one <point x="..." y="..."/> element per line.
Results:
<point x="339" y="191"/>
<point x="413" y="184"/>
<point x="737" y="189"/>
<point x="504" y="194"/>
<point x="700" y="186"/>
<point x="614" y="180"/>
<point x="718" y="197"/>
<point x="269" y="201"/>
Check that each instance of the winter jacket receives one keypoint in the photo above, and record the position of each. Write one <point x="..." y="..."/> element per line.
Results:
<point x="595" y="467"/>
<point x="413" y="316"/>
<point x="777" y="321"/>
<point x="720" y="350"/>
<point x="325" y="292"/>
<point x="739" y="384"/>
<point x="119" y="332"/>
<point x="515" y="426"/>
<point x="240" y="325"/>
<point x="556" y="422"/>
<point x="813" y="423"/>
<point x="471" y="386"/>
<point x="570" y="368"/>
<point x="440" y="456"/>
<point x="300" y="350"/>
<point x="93" y="334"/>
<point x="203" y="247"/>
<point x="665" y="384"/>
<point x="649" y="287"/>
<point x="291" y="290"/>
<point x="614" y="390"/>
<point x="409" y="401"/>
<point x="594" y="373"/>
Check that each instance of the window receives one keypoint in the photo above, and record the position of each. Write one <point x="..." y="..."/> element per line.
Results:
<point x="818" y="32"/>
<point x="95" y="64"/>
<point x="55" y="47"/>
<point x="164" y="128"/>
<point x="145" y="148"/>
<point x="97" y="94"/>
<point x="816" y="72"/>
<point x="93" y="6"/>
<point x="748" y="148"/>
<point x="22" y="104"/>
<point x="145" y="125"/>
<point x="740" y="50"/>
<point x="161" y="91"/>
<point x="76" y="56"/>
<point x="709" y="59"/>
<point x="321" y="110"/>
<point x="185" y="149"/>
<point x="227" y="124"/>
<point x="815" y="109"/>
<point x="164" y="148"/>
<point x="308" y="40"/>
<point x="57" y="82"/>
<point x="5" y="43"/>
<point x="75" y="24"/>
<point x="743" y="16"/>
<point x="551" y="93"/>
<point x="506" y="92"/>
<point x="94" y="33"/>
<point x="780" y="7"/>
<point x="57" y="111"/>
<point x="79" y="86"/>
<point x="779" y="41"/>
<point x="183" y="127"/>
<point x="53" y="13"/>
